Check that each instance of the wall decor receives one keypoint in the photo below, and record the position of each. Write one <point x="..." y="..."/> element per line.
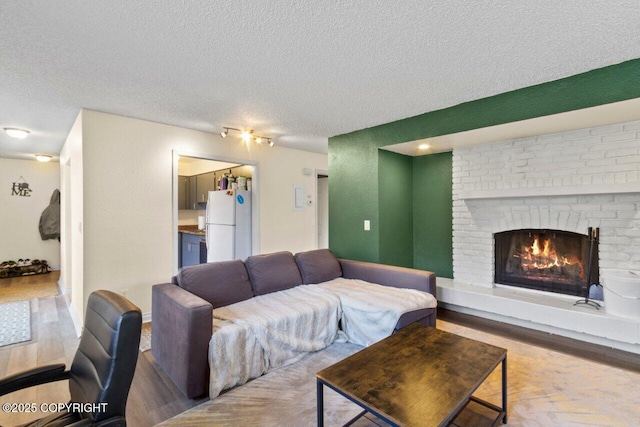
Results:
<point x="21" y="188"/>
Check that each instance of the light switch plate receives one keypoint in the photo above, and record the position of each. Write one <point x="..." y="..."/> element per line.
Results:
<point x="367" y="225"/>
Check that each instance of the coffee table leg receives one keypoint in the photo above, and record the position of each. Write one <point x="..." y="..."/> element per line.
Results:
<point x="319" y="396"/>
<point x="504" y="388"/>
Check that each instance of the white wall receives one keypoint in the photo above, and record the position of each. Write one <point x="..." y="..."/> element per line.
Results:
<point x="128" y="212"/>
<point x="20" y="216"/>
<point x="565" y="181"/>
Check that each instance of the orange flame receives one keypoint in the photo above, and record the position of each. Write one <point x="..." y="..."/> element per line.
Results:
<point x="544" y="256"/>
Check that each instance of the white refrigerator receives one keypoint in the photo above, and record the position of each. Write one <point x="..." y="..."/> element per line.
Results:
<point x="228" y="225"/>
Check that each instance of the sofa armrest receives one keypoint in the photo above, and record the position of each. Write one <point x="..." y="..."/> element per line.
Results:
<point x="181" y="328"/>
<point x="388" y="275"/>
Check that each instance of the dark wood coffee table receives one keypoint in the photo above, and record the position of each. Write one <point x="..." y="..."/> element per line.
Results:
<point x="420" y="376"/>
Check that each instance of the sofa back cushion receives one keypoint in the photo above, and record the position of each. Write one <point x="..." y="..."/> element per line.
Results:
<point x="219" y="283"/>
<point x="318" y="266"/>
<point x="273" y="272"/>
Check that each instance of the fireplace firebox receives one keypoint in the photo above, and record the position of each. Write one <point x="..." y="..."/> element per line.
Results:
<point x="547" y="260"/>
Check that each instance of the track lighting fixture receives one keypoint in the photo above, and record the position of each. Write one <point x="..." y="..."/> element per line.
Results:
<point x="247" y="136"/>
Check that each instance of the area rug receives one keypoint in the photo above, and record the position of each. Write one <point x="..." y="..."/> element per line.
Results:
<point x="285" y="397"/>
<point x="145" y="337"/>
<point x="27" y="291"/>
<point x="546" y="388"/>
<point x="15" y="322"/>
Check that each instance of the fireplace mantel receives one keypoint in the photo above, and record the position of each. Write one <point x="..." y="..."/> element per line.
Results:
<point x="632" y="187"/>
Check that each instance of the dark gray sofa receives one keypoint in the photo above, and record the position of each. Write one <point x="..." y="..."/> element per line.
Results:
<point x="182" y="311"/>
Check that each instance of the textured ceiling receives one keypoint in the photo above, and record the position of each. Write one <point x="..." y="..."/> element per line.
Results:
<point x="297" y="71"/>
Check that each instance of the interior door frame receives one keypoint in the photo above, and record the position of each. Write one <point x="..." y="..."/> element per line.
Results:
<point x="255" y="197"/>
<point x="317" y="173"/>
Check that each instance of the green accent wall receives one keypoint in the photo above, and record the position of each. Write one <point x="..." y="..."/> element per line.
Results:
<point x="353" y="197"/>
<point x="432" y="216"/>
<point x="354" y="193"/>
<point x="395" y="208"/>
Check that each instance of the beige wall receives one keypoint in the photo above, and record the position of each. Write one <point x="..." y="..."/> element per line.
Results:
<point x="20" y="216"/>
<point x="128" y="199"/>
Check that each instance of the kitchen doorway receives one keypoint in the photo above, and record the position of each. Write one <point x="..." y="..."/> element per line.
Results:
<point x="194" y="175"/>
<point x="322" y="209"/>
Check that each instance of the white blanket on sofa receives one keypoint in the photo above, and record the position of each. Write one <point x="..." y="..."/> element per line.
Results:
<point x="370" y="311"/>
<point x="281" y="326"/>
<point x="234" y="357"/>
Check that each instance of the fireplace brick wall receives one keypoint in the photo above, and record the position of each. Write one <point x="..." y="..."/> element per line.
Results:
<point x="566" y="181"/>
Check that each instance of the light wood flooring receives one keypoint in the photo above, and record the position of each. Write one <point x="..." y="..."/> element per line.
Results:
<point x="154" y="398"/>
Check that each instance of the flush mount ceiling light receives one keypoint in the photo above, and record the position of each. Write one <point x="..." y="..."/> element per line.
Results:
<point x="423" y="146"/>
<point x="247" y="136"/>
<point x="43" y="157"/>
<point x="17" y="133"/>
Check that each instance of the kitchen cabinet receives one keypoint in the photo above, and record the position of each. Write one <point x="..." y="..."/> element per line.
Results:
<point x="183" y="192"/>
<point x="205" y="183"/>
<point x="192" y="193"/>
<point x="192" y="190"/>
<point x="190" y="249"/>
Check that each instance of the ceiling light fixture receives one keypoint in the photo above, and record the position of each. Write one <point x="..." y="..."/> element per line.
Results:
<point x="423" y="146"/>
<point x="17" y="133"/>
<point x="43" y="157"/>
<point x="247" y="136"/>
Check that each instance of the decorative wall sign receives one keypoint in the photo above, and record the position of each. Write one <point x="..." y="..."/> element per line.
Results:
<point x="21" y="188"/>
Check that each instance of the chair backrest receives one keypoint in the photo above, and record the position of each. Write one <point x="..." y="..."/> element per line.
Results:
<point x="104" y="364"/>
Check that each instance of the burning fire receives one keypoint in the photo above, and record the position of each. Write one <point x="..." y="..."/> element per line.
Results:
<point x="544" y="256"/>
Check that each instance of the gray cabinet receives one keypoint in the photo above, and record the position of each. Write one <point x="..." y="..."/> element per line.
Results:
<point x="193" y="205"/>
<point x="205" y="183"/>
<point x="192" y="190"/>
<point x="183" y="192"/>
<point x="190" y="249"/>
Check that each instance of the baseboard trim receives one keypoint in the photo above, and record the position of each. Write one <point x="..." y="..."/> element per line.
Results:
<point x="578" y="348"/>
<point x="75" y="318"/>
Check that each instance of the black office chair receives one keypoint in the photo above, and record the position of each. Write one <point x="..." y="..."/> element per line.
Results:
<point x="102" y="369"/>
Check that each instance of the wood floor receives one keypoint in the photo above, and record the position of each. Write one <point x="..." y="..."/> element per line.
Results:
<point x="154" y="398"/>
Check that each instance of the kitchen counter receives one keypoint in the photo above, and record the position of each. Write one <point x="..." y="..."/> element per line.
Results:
<point x="190" y="229"/>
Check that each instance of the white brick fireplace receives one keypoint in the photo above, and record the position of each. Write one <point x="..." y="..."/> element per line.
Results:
<point x="568" y="181"/>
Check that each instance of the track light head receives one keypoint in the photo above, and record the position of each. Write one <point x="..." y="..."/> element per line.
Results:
<point x="224" y="133"/>
<point x="246" y="135"/>
<point x="271" y="143"/>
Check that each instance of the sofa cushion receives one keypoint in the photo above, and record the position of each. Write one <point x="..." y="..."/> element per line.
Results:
<point x="273" y="272"/>
<point x="219" y="283"/>
<point x="318" y="266"/>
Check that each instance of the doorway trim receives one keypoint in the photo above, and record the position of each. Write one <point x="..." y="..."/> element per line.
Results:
<point x="317" y="174"/>
<point x="255" y="197"/>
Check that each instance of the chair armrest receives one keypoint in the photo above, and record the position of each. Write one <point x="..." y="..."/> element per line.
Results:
<point x="182" y="325"/>
<point x="31" y="377"/>
<point x="388" y="275"/>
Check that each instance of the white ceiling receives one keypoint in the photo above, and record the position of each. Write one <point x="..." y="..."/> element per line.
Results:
<point x="297" y="71"/>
